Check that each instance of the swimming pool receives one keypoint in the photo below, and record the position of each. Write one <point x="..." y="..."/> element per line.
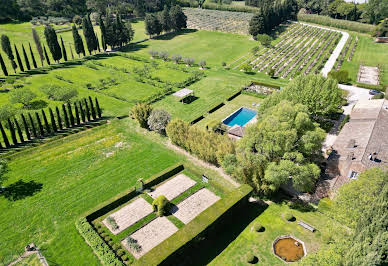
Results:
<point x="241" y="117"/>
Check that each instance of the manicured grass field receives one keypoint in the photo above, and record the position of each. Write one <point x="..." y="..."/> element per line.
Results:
<point x="260" y="244"/>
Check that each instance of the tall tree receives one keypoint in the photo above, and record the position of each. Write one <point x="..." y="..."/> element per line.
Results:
<point x="82" y="112"/>
<point x="32" y="56"/>
<point x="12" y="130"/>
<point x="71" y="117"/>
<point x="46" y="123"/>
<point x="103" y="32"/>
<point x="6" y="46"/>
<point x="5" y="137"/>
<point x="40" y="126"/>
<point x="257" y="24"/>
<point x="110" y="30"/>
<point x="78" y="43"/>
<point x="26" y="128"/>
<point x="77" y="114"/>
<point x="52" y="43"/>
<point x="65" y="116"/>
<point x="59" y="118"/>
<point x="46" y="55"/>
<point x="20" y="63"/>
<point x="178" y="18"/>
<point x="52" y="118"/>
<point x="92" y="108"/>
<point x="71" y="52"/>
<point x="3" y="67"/>
<point x="99" y="113"/>
<point x="38" y="45"/>
<point x="87" y="113"/>
<point x="34" y="133"/>
<point x="20" y="133"/>
<point x="26" y="58"/>
<point x="63" y="50"/>
<point x="152" y="25"/>
<point x="165" y="19"/>
<point x="88" y="34"/>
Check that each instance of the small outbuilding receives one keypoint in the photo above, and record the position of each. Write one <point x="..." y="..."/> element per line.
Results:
<point x="183" y="94"/>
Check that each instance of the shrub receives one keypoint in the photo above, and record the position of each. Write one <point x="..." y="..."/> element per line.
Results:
<point x="102" y="250"/>
<point x="107" y="239"/>
<point x="258" y="228"/>
<point x="153" y="53"/>
<point x="188" y="61"/>
<point x="289" y="217"/>
<point x="164" y="55"/>
<point x="341" y="76"/>
<point x="158" y="120"/>
<point x="202" y="64"/>
<point x="120" y="252"/>
<point x="21" y="95"/>
<point x="161" y="205"/>
<point x="116" y="246"/>
<point x="246" y="68"/>
<point x="223" y="64"/>
<point x="124" y="257"/>
<point x="141" y="113"/>
<point x="103" y="235"/>
<point x="250" y="258"/>
<point x="112" y="222"/>
<point x="132" y="244"/>
<point x="57" y="93"/>
<point x="176" y="58"/>
<point x="378" y="96"/>
<point x="271" y="73"/>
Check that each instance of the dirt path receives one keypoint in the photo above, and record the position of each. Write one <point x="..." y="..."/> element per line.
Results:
<point x="202" y="163"/>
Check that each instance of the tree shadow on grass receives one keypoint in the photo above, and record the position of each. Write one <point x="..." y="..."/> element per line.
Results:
<point x="190" y="99"/>
<point x="21" y="190"/>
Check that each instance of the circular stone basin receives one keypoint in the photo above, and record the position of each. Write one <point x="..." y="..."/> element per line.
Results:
<point x="288" y="248"/>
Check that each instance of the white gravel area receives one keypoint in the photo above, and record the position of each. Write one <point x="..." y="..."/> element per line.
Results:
<point x="174" y="187"/>
<point x="188" y="209"/>
<point x="151" y="235"/>
<point x="129" y="215"/>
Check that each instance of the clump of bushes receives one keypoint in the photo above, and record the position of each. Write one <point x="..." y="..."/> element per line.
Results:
<point x="161" y="205"/>
<point x="141" y="112"/>
<point x="158" y="120"/>
<point x="58" y="93"/>
<point x="112" y="222"/>
<point x="341" y="76"/>
<point x="133" y="244"/>
<point x="289" y="217"/>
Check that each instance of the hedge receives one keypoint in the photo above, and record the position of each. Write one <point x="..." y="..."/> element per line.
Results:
<point x="100" y="248"/>
<point x="166" y="251"/>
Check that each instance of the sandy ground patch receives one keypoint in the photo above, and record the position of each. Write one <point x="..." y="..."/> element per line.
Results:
<point x="188" y="209"/>
<point x="174" y="187"/>
<point x="129" y="215"/>
<point x="151" y="235"/>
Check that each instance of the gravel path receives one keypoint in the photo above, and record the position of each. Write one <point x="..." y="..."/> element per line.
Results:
<point x="174" y="187"/>
<point x="151" y="235"/>
<point x="129" y="215"/>
<point x="188" y="209"/>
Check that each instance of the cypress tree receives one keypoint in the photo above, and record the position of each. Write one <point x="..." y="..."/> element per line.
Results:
<point x="77" y="113"/>
<point x="87" y="113"/>
<point x="52" y="43"/>
<point x="26" y="129"/>
<point x="71" y="51"/>
<point x="19" y="59"/>
<point x="103" y="32"/>
<point x="19" y="131"/>
<point x="46" y="55"/>
<point x="89" y="34"/>
<point x="32" y="126"/>
<point x="93" y="34"/>
<point x="38" y="45"/>
<point x="26" y="58"/>
<point x="1" y="146"/>
<point x="110" y="31"/>
<point x="99" y="113"/>
<point x="53" y="125"/>
<point x="67" y="124"/>
<point x="12" y="129"/>
<point x="59" y="118"/>
<point x="78" y="43"/>
<point x="82" y="112"/>
<point x="32" y="56"/>
<point x="3" y="67"/>
<point x="48" y="130"/>
<point x="98" y="44"/>
<point x="6" y="46"/>
<point x="70" y="114"/>
<point x="92" y="108"/>
<point x="41" y="131"/>
<point x="5" y="138"/>
<point x="63" y="50"/>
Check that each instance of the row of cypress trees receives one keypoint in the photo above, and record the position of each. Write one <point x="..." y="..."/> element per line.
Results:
<point x="72" y="115"/>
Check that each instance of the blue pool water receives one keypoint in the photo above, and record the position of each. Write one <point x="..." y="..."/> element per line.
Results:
<point x="240" y="117"/>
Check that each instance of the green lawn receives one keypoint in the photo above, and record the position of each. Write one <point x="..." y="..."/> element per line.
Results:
<point x="260" y="244"/>
<point x="230" y="107"/>
<point x="31" y="260"/>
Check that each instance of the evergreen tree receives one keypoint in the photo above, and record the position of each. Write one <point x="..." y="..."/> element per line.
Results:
<point x="41" y="131"/>
<point x="12" y="130"/>
<point x="98" y="45"/>
<point x="32" y="126"/>
<point x="32" y="56"/>
<point x="178" y="18"/>
<point x="5" y="138"/>
<point x="46" y="55"/>
<point x="59" y="118"/>
<point x="6" y="46"/>
<point x="87" y="113"/>
<point x="19" y="59"/>
<point x="93" y="34"/>
<point x="71" y="117"/>
<point x="110" y="30"/>
<point x="152" y="25"/>
<point x="256" y="25"/>
<point x="92" y="108"/>
<point x="48" y="130"/>
<point x="77" y="114"/>
<point x="71" y="51"/>
<point x="3" y="67"/>
<point x="38" y="45"/>
<point x="78" y="43"/>
<point x="103" y="32"/>
<point x="67" y="123"/>
<point x="19" y="131"/>
<point x="165" y="19"/>
<point x="26" y="129"/>
<point x="52" y="43"/>
<point x="82" y="112"/>
<point x="98" y="109"/>
<point x="63" y="50"/>
<point x="89" y="34"/>
<point x="53" y="125"/>
<point x="26" y="58"/>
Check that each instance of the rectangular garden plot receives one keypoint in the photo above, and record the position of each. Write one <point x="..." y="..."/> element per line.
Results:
<point x="174" y="187"/>
<point x="151" y="235"/>
<point x="129" y="215"/>
<point x="188" y="209"/>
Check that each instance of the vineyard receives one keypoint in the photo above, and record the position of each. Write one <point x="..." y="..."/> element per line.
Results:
<point x="215" y="20"/>
<point x="302" y="49"/>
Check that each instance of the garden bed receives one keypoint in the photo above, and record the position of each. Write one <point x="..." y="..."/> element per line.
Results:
<point x="174" y="187"/>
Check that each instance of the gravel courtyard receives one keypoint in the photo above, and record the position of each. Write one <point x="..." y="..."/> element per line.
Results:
<point x="174" y="187"/>
<point x="188" y="209"/>
<point x="151" y="235"/>
<point x="129" y="215"/>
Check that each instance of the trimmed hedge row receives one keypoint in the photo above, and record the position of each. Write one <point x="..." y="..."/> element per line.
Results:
<point x="165" y="252"/>
<point x="100" y="248"/>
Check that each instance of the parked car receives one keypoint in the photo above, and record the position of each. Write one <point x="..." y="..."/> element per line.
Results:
<point x="374" y="92"/>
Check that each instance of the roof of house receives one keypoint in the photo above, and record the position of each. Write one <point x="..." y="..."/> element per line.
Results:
<point x="236" y="130"/>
